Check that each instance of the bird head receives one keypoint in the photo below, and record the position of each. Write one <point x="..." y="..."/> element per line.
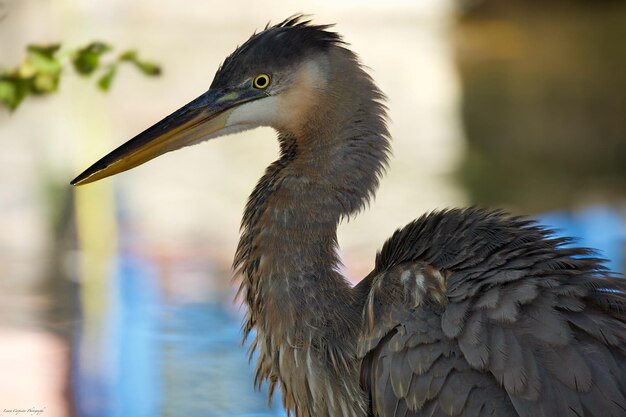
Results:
<point x="274" y="79"/>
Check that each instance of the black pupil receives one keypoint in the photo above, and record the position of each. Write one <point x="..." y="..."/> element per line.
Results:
<point x="261" y="81"/>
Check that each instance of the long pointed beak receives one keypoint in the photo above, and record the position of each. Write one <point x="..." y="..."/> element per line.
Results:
<point x="199" y="120"/>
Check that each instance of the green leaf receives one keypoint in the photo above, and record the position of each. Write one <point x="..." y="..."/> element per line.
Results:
<point x="40" y="71"/>
<point x="98" y="47"/>
<point x="44" y="50"/>
<point x="86" y="60"/>
<point x="146" y="67"/>
<point x="13" y="89"/>
<point x="43" y="63"/>
<point x="129" y="55"/>
<point x="44" y="83"/>
<point x="8" y="94"/>
<point x="104" y="83"/>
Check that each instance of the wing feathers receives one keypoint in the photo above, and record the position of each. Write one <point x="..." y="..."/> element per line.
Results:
<point x="454" y="318"/>
<point x="474" y="313"/>
<point x="400" y="374"/>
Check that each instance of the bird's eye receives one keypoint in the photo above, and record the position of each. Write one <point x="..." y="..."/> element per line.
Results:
<point x="261" y="81"/>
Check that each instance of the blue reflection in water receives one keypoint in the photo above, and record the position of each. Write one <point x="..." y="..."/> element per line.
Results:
<point x="599" y="227"/>
<point x="150" y="358"/>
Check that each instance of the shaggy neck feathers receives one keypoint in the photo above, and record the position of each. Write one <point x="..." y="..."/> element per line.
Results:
<point x="329" y="168"/>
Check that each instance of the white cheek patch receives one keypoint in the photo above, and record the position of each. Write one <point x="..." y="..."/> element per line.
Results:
<point x="228" y="130"/>
<point x="262" y="112"/>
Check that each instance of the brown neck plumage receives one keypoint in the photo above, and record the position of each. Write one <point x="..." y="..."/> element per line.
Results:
<point x="287" y="255"/>
<point x="328" y="169"/>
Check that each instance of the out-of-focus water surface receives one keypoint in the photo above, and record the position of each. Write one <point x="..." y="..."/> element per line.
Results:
<point x="117" y="299"/>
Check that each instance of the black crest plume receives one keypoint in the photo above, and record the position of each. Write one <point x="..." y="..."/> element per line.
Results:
<point x="277" y="46"/>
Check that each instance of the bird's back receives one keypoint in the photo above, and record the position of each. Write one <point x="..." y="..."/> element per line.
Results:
<point x="472" y="313"/>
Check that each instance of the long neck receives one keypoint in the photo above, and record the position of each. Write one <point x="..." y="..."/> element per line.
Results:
<point x="328" y="169"/>
<point x="299" y="304"/>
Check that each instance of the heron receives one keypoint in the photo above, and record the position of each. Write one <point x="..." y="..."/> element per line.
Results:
<point x="467" y="312"/>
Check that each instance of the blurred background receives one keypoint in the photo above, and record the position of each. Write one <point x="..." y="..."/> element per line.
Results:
<point x="117" y="299"/>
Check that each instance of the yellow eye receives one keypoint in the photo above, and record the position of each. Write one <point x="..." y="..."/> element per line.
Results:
<point x="261" y="81"/>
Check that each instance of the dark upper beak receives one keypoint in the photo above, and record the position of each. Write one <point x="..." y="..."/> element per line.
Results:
<point x="201" y="119"/>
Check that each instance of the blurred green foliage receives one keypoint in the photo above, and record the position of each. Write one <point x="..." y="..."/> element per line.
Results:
<point x="40" y="71"/>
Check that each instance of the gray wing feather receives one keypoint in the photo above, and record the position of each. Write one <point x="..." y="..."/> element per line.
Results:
<point x="472" y="313"/>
